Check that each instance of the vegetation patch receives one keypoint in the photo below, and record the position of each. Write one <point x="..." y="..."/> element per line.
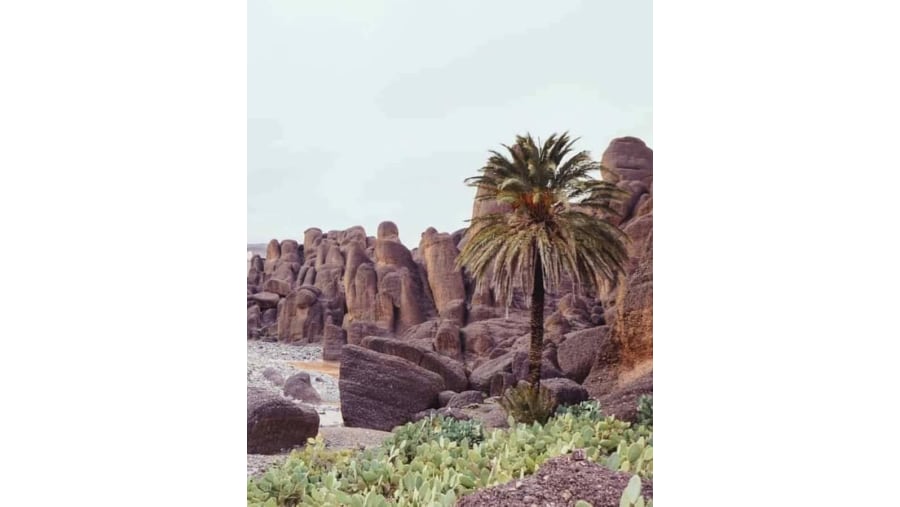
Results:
<point x="437" y="460"/>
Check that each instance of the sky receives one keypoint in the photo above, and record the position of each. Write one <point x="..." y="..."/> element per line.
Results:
<point x="361" y="111"/>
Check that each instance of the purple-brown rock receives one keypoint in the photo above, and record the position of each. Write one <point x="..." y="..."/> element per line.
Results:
<point x="275" y="424"/>
<point x="380" y="391"/>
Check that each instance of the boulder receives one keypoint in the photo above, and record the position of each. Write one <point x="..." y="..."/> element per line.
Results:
<point x="277" y="286"/>
<point x="578" y="351"/>
<point x="564" y="391"/>
<point x="501" y="382"/>
<point x="275" y="424"/>
<point x="452" y="372"/>
<point x="479" y="338"/>
<point x="490" y="415"/>
<point x="298" y="386"/>
<point x="481" y="377"/>
<point x="520" y="365"/>
<point x="444" y="397"/>
<point x="380" y="391"/>
<point x="273" y="376"/>
<point x="356" y="331"/>
<point x="465" y="399"/>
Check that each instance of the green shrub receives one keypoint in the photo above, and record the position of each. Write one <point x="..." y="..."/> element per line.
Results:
<point x="527" y="404"/>
<point x="589" y="409"/>
<point x="645" y="410"/>
<point x="409" y="436"/>
<point x="422" y="465"/>
<point x="631" y="496"/>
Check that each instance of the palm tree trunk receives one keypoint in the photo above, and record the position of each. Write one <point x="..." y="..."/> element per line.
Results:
<point x="537" y="324"/>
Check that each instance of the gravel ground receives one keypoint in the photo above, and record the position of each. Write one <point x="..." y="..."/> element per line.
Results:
<point x="261" y="355"/>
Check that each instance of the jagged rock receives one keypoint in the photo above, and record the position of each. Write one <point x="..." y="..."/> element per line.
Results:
<point x="439" y="254"/>
<point x="452" y="372"/>
<point x="381" y="391"/>
<point x="334" y="340"/>
<point x="465" y="399"/>
<point x="275" y="424"/>
<point x="578" y="352"/>
<point x="298" y="386"/>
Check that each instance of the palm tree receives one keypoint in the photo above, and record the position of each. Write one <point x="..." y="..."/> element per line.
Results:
<point x="548" y="230"/>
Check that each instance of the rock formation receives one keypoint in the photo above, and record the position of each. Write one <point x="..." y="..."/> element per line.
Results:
<point x="346" y="288"/>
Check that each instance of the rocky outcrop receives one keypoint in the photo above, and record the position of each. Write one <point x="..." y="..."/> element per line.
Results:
<point x="275" y="424"/>
<point x="633" y="328"/>
<point x="622" y="400"/>
<point x="445" y="280"/>
<point x="381" y="391"/>
<point x="334" y="340"/>
<point x="301" y="316"/>
<point x="342" y="286"/>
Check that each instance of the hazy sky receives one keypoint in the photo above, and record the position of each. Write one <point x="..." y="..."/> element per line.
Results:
<point x="363" y="111"/>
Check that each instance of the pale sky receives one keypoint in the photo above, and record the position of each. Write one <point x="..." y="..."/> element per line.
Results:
<point x="363" y="111"/>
